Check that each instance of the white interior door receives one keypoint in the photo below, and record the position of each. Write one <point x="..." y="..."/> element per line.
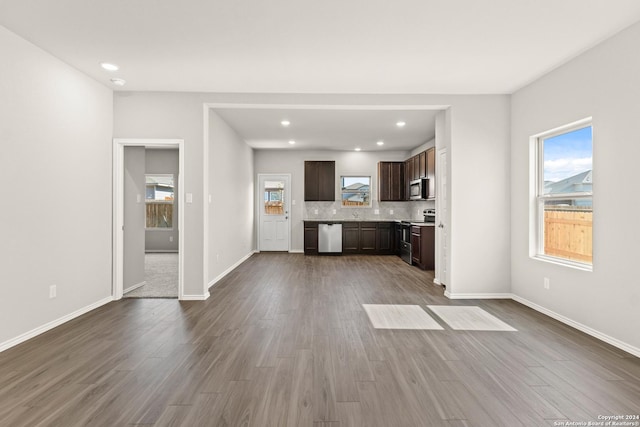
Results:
<point x="274" y="206"/>
<point x="441" y="219"/>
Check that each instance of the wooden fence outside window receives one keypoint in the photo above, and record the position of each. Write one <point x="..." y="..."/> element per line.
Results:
<point x="568" y="233"/>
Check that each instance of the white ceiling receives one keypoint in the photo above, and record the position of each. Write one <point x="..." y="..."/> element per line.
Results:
<point x="328" y="46"/>
<point x="315" y="129"/>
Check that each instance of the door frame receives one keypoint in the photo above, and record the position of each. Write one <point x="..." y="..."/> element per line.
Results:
<point x="118" y="208"/>
<point x="442" y="199"/>
<point x="259" y="205"/>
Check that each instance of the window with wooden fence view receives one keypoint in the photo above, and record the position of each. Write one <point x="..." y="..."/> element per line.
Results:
<point x="159" y="201"/>
<point x="356" y="191"/>
<point x="564" y="194"/>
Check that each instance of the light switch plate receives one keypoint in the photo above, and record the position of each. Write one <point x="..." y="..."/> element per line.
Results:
<point x="189" y="198"/>
<point x="376" y="211"/>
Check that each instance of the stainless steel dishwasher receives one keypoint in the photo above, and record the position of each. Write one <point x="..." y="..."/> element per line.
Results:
<point x="330" y="238"/>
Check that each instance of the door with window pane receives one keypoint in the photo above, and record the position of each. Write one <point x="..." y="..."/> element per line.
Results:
<point x="274" y="202"/>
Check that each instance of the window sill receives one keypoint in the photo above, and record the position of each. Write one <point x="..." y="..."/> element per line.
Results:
<point x="563" y="262"/>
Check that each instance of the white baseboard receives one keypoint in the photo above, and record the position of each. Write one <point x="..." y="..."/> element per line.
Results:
<point x="50" y="325"/>
<point x="203" y="297"/>
<point x="579" y="326"/>
<point x="136" y="286"/>
<point x="230" y="269"/>
<point x="296" y="251"/>
<point x="477" y="296"/>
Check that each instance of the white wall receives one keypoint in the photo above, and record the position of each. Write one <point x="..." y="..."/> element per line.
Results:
<point x="55" y="132"/>
<point x="231" y="186"/>
<point x="479" y="196"/>
<point x="173" y="116"/>
<point x="604" y="82"/>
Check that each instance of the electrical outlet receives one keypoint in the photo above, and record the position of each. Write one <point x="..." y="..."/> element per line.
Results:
<point x="390" y="211"/>
<point x="376" y="211"/>
<point x="315" y="211"/>
<point x="171" y="238"/>
<point x="546" y="283"/>
<point x="52" y="291"/>
<point x="334" y="211"/>
<point x="293" y="202"/>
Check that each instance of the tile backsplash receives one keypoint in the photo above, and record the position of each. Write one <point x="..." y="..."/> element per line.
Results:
<point x="401" y="210"/>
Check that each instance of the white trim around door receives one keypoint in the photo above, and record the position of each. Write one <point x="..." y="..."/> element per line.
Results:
<point x="118" y="207"/>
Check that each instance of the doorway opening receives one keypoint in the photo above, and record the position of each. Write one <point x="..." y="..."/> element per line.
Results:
<point x="148" y="218"/>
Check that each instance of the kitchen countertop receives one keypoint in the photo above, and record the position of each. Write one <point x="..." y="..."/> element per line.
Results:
<point x="339" y="221"/>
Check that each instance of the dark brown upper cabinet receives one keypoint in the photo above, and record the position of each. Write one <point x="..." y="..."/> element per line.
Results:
<point x="391" y="181"/>
<point x="319" y="181"/>
<point x="431" y="172"/>
<point x="422" y="165"/>
<point x="408" y="177"/>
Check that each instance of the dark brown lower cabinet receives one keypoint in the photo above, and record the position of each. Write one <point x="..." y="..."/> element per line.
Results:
<point x="368" y="237"/>
<point x="385" y="238"/>
<point x="350" y="237"/>
<point x="373" y="238"/>
<point x="423" y="247"/>
<point x="311" y="238"/>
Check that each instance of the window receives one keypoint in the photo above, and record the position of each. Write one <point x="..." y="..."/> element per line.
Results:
<point x="564" y="208"/>
<point x="356" y="191"/>
<point x="159" y="201"/>
<point x="274" y="197"/>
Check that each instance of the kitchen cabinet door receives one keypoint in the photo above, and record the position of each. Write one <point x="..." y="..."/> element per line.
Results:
<point x="408" y="177"/>
<point x="310" y="238"/>
<point x="319" y="181"/>
<point x="431" y="172"/>
<point x="422" y="165"/>
<point x="391" y="181"/>
<point x="368" y="237"/>
<point x="385" y="238"/>
<point x="423" y="247"/>
<point x="416" y="167"/>
<point x="350" y="238"/>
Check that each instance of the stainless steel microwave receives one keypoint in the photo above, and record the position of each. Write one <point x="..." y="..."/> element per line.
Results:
<point x="419" y="189"/>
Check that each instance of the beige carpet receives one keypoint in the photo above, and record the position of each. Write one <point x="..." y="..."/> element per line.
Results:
<point x="160" y="275"/>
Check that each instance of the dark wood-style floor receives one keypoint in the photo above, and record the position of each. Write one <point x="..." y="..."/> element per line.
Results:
<point x="284" y="341"/>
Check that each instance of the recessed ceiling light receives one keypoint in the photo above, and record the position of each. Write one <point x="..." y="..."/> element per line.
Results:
<point x="109" y="67"/>
<point x="292" y="142"/>
<point x="400" y="124"/>
<point x="118" y="82"/>
<point x="380" y="142"/>
<point x="358" y="148"/>
<point x="285" y="123"/>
